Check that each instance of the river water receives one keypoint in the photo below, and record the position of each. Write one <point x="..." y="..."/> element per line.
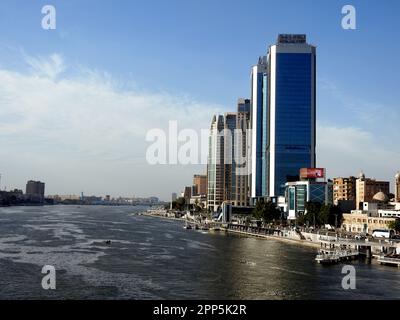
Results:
<point x="153" y="258"/>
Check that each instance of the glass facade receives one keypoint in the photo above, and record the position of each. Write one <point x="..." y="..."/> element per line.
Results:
<point x="259" y="124"/>
<point x="299" y="193"/>
<point x="294" y="125"/>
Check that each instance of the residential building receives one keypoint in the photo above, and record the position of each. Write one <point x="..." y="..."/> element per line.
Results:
<point x="344" y="193"/>
<point x="397" y="187"/>
<point x="344" y="189"/>
<point x="215" y="164"/>
<point x="200" y="181"/>
<point x="35" y="190"/>
<point x="242" y="154"/>
<point x="366" y="188"/>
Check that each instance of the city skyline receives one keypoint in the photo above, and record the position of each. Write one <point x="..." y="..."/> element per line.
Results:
<point x="69" y="112"/>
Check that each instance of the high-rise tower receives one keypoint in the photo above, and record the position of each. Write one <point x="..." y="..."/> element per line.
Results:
<point x="215" y="164"/>
<point x="291" y="116"/>
<point x="258" y="118"/>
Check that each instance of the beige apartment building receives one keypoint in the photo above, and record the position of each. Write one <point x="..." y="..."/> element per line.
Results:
<point x="344" y="189"/>
<point x="366" y="188"/>
<point x="200" y="182"/>
<point x="242" y="163"/>
<point x="363" y="222"/>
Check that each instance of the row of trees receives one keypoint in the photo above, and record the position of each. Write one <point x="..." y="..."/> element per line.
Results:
<point x="320" y="214"/>
<point x="181" y="205"/>
<point x="267" y="211"/>
<point x="317" y="214"/>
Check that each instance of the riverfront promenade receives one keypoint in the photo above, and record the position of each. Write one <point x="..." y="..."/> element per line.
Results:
<point x="322" y="239"/>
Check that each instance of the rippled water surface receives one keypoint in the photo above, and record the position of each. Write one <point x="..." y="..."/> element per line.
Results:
<point x="151" y="258"/>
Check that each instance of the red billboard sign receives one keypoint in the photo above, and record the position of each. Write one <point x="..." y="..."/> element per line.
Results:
<point x="312" y="173"/>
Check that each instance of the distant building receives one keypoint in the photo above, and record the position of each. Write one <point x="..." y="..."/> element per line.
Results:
<point x="397" y="187"/>
<point x="35" y="190"/>
<point x="61" y="198"/>
<point x="174" y="196"/>
<point x="366" y="188"/>
<point x="187" y="194"/>
<point x="200" y="181"/>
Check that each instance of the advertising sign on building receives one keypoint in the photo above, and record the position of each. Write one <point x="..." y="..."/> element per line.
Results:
<point x="312" y="173"/>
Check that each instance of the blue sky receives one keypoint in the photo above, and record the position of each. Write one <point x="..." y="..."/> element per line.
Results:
<point x="198" y="52"/>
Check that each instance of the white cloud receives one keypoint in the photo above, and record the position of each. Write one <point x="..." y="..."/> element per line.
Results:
<point x="88" y="128"/>
<point x="86" y="132"/>
<point x="50" y="67"/>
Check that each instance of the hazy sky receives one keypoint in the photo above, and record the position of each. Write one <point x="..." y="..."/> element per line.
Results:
<point x="76" y="102"/>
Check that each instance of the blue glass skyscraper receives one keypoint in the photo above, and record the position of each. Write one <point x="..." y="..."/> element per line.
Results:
<point x="291" y="118"/>
<point x="283" y="112"/>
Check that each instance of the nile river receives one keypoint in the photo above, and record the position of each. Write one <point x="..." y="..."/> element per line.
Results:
<point x="153" y="258"/>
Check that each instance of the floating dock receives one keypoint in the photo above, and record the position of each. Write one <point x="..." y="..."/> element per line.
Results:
<point x="389" y="261"/>
<point x="331" y="257"/>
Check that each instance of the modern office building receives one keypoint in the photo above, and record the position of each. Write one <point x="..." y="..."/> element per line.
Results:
<point x="283" y="115"/>
<point x="397" y="187"/>
<point x="298" y="193"/>
<point x="311" y="188"/>
<point x="242" y="154"/>
<point x="366" y="188"/>
<point x="258" y="123"/>
<point x="200" y="181"/>
<point x="291" y="117"/>
<point x="215" y="164"/>
<point x="35" y="189"/>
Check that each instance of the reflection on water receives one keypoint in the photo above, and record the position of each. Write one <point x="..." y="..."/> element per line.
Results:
<point x="150" y="258"/>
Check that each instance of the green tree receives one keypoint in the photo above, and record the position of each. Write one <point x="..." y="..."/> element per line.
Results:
<point x="313" y="213"/>
<point x="323" y="214"/>
<point x="266" y="211"/>
<point x="179" y="204"/>
<point x="395" y="225"/>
